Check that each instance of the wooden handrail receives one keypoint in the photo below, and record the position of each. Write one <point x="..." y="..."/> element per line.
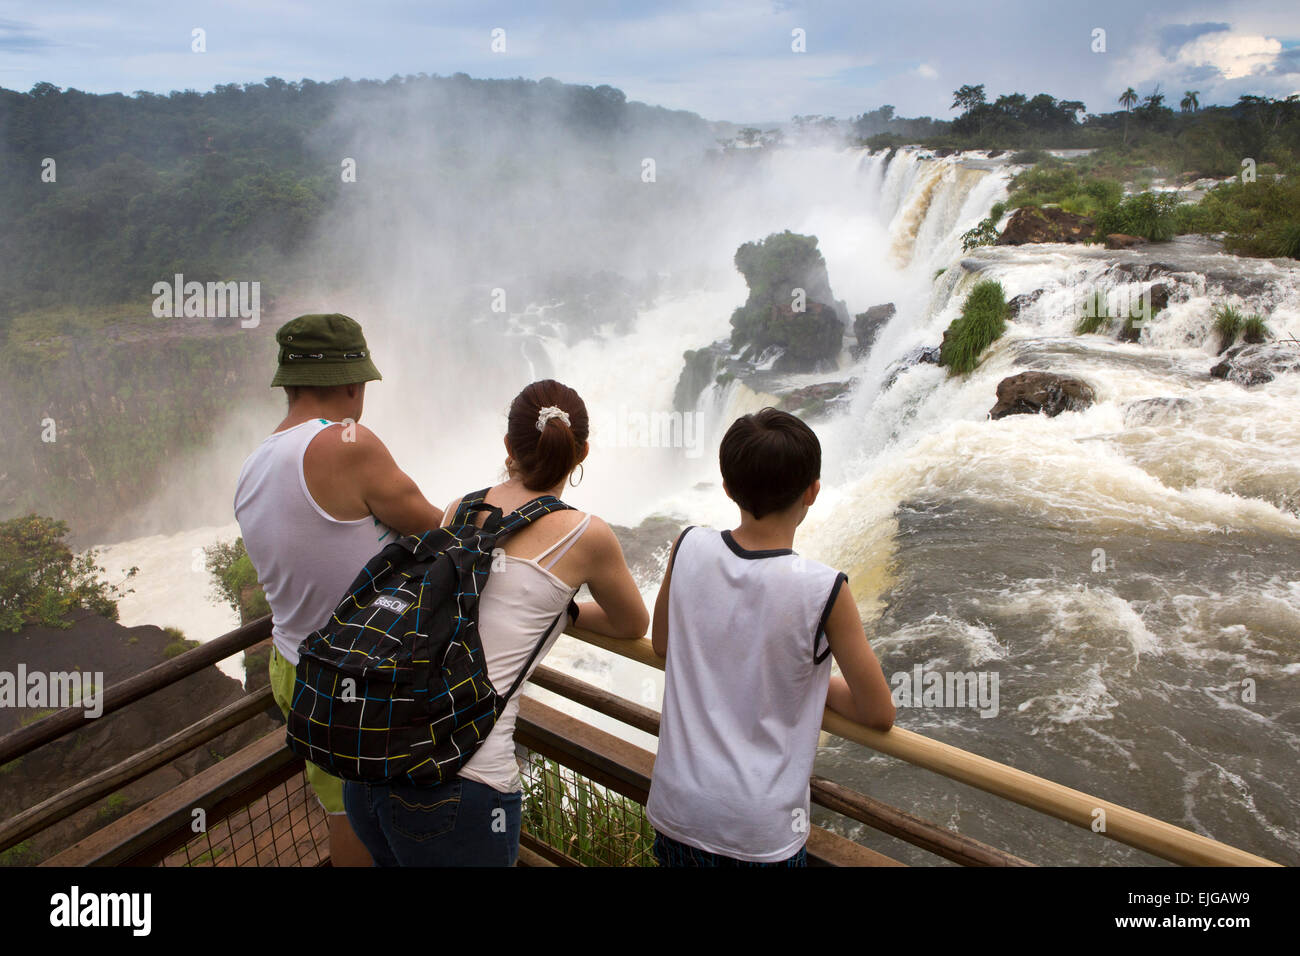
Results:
<point x="62" y="805"/>
<point x="27" y="739"/>
<point x="826" y="793"/>
<point x="1073" y="806"/>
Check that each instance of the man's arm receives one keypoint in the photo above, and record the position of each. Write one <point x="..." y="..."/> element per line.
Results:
<point x="861" y="693"/>
<point x="387" y="491"/>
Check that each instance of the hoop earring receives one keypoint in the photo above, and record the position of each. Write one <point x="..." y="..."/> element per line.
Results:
<point x="572" y="483"/>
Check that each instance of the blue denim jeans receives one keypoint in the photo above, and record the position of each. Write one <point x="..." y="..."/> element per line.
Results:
<point x="460" y="823"/>
<point x="670" y="852"/>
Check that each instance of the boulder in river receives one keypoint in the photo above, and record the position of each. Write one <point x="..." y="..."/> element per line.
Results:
<point x="1156" y="411"/>
<point x="812" y="400"/>
<point x="1045" y="224"/>
<point x="1032" y="392"/>
<point x="924" y="355"/>
<point x="1021" y="302"/>
<point x="1118" y="240"/>
<point x="1249" y="365"/>
<point x="867" y="325"/>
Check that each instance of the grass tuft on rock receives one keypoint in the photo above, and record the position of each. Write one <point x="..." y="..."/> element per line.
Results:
<point x="982" y="322"/>
<point x="1227" y="324"/>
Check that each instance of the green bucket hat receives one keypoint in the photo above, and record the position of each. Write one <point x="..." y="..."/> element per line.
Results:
<point x="323" y="350"/>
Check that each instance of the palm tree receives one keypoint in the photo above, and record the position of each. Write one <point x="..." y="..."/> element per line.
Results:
<point x="1127" y="99"/>
<point x="1190" y="103"/>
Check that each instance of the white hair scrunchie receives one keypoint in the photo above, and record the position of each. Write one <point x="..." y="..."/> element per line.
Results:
<point x="549" y="412"/>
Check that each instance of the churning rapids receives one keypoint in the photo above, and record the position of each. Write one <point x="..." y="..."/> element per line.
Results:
<point x="1124" y="570"/>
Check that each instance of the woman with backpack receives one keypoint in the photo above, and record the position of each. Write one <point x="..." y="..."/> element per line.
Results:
<point x="527" y="600"/>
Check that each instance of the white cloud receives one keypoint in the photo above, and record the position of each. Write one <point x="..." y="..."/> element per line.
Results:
<point x="927" y="71"/>
<point x="1232" y="54"/>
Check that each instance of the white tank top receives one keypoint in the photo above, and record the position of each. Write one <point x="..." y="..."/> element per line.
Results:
<point x="743" y="697"/>
<point x="520" y="600"/>
<point x="305" y="558"/>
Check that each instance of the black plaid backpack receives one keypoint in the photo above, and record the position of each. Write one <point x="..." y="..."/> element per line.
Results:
<point x="394" y="687"/>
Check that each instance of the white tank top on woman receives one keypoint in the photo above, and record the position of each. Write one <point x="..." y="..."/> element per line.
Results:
<point x="305" y="558"/>
<point x="743" y="697"/>
<point x="520" y="600"/>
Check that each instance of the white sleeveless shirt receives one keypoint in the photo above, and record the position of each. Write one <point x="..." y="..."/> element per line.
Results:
<point x="743" y="697"/>
<point x="305" y="558"/>
<point x="520" y="601"/>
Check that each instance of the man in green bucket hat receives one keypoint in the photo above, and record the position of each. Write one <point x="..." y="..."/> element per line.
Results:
<point x="318" y="498"/>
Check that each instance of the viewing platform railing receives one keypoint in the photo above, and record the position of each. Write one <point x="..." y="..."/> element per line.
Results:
<point x="598" y="764"/>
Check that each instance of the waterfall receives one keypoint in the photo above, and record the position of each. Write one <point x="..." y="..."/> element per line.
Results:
<point x="970" y="543"/>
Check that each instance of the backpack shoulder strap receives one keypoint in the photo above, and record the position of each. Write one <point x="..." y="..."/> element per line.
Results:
<point x="524" y="515"/>
<point x="473" y="502"/>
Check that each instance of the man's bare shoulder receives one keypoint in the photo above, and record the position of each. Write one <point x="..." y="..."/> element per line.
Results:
<point x="348" y="442"/>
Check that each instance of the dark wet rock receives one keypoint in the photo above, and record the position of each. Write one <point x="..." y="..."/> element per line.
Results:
<point x="1156" y="411"/>
<point x="646" y="547"/>
<point x="112" y="653"/>
<point x="814" y="400"/>
<point x="809" y="341"/>
<point x="867" y="325"/>
<point x="995" y="153"/>
<point x="1129" y="332"/>
<point x="943" y="151"/>
<point x="1249" y="365"/>
<point x="1047" y="392"/>
<point x="1021" y="302"/>
<point x="1045" y="224"/>
<point x="1143" y="271"/>
<point x="924" y="355"/>
<point x="1118" y="240"/>
<point x="701" y="368"/>
<point x="1160" y="293"/>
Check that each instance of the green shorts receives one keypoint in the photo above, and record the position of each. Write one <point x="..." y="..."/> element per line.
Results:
<point x="329" y="789"/>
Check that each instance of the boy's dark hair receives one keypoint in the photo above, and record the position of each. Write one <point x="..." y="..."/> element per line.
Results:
<point x="768" y="459"/>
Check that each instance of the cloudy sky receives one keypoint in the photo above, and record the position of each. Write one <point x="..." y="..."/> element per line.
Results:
<point x="724" y="59"/>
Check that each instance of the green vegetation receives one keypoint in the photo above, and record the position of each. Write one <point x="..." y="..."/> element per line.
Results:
<point x="1149" y="215"/>
<point x="1065" y="184"/>
<point x="20" y="854"/>
<point x="583" y="820"/>
<point x="235" y="579"/>
<point x="1230" y="323"/>
<point x="1257" y="219"/>
<point x="1096" y="315"/>
<point x="178" y="647"/>
<point x="208" y="856"/>
<point x="232" y="183"/>
<point x="25" y="720"/>
<point x="984" y="234"/>
<point x="114" y="806"/>
<point x="1255" y="331"/>
<point x="1227" y="325"/>
<point x="41" y="580"/>
<point x="983" y="320"/>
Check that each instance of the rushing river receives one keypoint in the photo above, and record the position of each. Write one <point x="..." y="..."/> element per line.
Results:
<point x="1130" y="573"/>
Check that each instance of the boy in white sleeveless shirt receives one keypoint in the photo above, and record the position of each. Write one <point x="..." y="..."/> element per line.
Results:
<point x="748" y="628"/>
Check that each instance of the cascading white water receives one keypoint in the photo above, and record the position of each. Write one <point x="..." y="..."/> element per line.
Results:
<point x="968" y="541"/>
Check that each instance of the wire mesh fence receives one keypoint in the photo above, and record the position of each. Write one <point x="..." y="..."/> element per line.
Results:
<point x="586" y="822"/>
<point x="284" y="827"/>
